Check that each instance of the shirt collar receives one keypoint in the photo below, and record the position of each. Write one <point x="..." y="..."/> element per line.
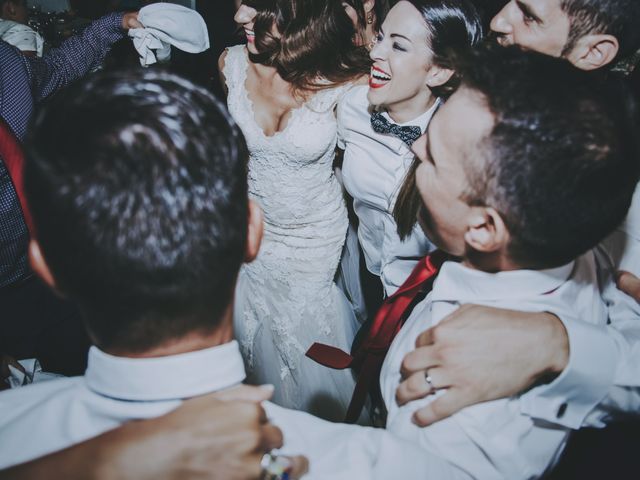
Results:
<point x="421" y="121"/>
<point x="165" y="378"/>
<point x="458" y="283"/>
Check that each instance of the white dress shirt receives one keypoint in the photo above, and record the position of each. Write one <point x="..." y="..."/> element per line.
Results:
<point x="373" y="171"/>
<point x="492" y="440"/>
<point x="602" y="378"/>
<point x="39" y="419"/>
<point x="21" y="36"/>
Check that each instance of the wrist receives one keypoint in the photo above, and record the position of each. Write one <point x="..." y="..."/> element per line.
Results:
<point x="557" y="344"/>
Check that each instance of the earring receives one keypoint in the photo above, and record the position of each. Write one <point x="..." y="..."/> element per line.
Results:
<point x="369" y="17"/>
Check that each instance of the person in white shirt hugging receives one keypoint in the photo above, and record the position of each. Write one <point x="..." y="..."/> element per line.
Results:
<point x="524" y="169"/>
<point x="137" y="185"/>
<point x="596" y="367"/>
<point x="14" y="29"/>
<point x="411" y="73"/>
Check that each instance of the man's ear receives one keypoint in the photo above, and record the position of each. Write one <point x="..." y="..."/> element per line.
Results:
<point x="255" y="229"/>
<point x="368" y="5"/>
<point x="437" y="76"/>
<point x="486" y="232"/>
<point x="594" y="51"/>
<point x="39" y="264"/>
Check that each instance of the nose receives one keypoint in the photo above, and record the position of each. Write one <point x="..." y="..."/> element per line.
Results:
<point x="500" y="23"/>
<point x="245" y="14"/>
<point x="376" y="52"/>
<point x="419" y="147"/>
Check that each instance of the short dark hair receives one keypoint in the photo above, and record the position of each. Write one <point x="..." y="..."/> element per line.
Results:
<point x="620" y="18"/>
<point x="137" y="184"/>
<point x="455" y="27"/>
<point x="562" y="160"/>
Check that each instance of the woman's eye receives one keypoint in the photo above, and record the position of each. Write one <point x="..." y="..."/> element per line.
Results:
<point x="397" y="46"/>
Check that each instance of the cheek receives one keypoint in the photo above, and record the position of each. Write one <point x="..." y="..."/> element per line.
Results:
<point x="411" y="73"/>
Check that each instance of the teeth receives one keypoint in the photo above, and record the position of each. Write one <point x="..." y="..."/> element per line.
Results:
<point x="380" y="76"/>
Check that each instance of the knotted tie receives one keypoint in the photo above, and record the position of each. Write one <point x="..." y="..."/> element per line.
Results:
<point x="367" y="359"/>
<point x="408" y="134"/>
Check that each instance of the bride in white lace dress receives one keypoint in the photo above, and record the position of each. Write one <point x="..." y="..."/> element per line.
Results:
<point x="286" y="299"/>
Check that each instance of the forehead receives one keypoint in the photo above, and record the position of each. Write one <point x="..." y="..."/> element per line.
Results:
<point x="460" y="125"/>
<point x="405" y="19"/>
<point x="545" y="9"/>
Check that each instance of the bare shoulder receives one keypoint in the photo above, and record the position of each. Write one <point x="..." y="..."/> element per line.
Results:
<point x="221" y="59"/>
<point x="221" y="63"/>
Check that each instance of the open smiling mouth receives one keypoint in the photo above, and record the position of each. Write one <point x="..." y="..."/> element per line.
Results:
<point x="378" y="78"/>
<point x="251" y="36"/>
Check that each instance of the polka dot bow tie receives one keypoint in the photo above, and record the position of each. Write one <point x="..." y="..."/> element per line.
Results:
<point x="408" y="134"/>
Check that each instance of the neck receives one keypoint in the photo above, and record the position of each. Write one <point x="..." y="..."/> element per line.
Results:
<point x="192" y="341"/>
<point x="489" y="262"/>
<point x="407" y="111"/>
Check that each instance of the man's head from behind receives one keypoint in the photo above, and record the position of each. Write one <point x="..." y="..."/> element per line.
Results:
<point x="589" y="33"/>
<point x="528" y="165"/>
<point x="137" y="185"/>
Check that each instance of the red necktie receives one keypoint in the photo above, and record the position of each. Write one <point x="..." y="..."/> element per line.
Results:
<point x="12" y="156"/>
<point x="367" y="359"/>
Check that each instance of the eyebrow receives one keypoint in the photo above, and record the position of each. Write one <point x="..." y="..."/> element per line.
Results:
<point x="395" y="35"/>
<point x="528" y="11"/>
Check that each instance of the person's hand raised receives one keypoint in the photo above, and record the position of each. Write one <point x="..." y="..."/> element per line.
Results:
<point x="130" y="20"/>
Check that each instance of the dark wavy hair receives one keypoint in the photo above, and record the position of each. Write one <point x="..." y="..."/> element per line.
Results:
<point x="455" y="27"/>
<point x="308" y="42"/>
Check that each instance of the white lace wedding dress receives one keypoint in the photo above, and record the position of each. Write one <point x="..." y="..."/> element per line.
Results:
<point x="286" y="299"/>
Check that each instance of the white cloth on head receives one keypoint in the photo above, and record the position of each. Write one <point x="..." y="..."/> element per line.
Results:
<point x="21" y="36"/>
<point x="166" y="25"/>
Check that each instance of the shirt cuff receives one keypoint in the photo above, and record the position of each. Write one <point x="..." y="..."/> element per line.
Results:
<point x="583" y="384"/>
<point x="114" y="21"/>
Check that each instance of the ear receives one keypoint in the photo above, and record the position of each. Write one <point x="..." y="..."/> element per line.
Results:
<point x="368" y="5"/>
<point x="255" y="229"/>
<point x="39" y="264"/>
<point x="437" y="76"/>
<point x="594" y="51"/>
<point x="486" y="232"/>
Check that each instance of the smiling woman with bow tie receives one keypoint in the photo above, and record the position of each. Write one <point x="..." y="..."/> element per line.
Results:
<point x="410" y="76"/>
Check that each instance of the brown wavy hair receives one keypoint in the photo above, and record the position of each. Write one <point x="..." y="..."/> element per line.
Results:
<point x="308" y="42"/>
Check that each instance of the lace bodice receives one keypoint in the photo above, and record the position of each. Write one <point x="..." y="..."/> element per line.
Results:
<point x="288" y="171"/>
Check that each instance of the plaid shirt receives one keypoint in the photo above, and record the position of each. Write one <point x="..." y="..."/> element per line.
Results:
<point x="24" y="81"/>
